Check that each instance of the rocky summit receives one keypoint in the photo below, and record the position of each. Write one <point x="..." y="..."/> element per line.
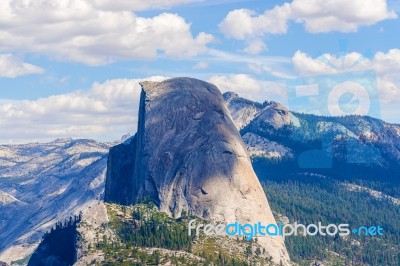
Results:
<point x="188" y="156"/>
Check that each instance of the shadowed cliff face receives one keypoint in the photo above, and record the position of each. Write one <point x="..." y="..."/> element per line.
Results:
<point x="189" y="156"/>
<point x="120" y="166"/>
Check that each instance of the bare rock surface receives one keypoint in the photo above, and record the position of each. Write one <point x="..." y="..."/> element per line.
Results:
<point x="242" y="110"/>
<point x="274" y="114"/>
<point x="190" y="157"/>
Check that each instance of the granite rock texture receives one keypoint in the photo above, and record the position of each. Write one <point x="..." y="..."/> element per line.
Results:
<point x="120" y="165"/>
<point x="189" y="156"/>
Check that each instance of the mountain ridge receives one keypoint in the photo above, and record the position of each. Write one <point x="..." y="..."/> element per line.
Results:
<point x="15" y="177"/>
<point x="360" y="132"/>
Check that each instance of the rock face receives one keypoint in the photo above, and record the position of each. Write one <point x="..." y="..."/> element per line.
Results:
<point x="188" y="155"/>
<point x="274" y="114"/>
<point x="120" y="165"/>
<point x="242" y="110"/>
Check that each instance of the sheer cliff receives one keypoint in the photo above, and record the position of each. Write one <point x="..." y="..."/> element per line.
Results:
<point x="188" y="156"/>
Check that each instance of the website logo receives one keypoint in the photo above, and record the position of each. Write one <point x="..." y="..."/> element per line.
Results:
<point x="249" y="231"/>
<point x="350" y="91"/>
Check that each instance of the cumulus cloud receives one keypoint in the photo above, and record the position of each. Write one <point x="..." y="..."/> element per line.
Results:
<point x="307" y="65"/>
<point x="339" y="15"/>
<point x="243" y="23"/>
<point x="248" y="87"/>
<point x="387" y="63"/>
<point x="139" y="5"/>
<point x="255" y="47"/>
<point x="106" y="112"/>
<point x="12" y="66"/>
<point x="240" y="83"/>
<point x="93" y="33"/>
<point x="316" y="15"/>
<point x="386" y="66"/>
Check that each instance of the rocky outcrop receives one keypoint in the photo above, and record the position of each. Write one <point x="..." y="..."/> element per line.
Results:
<point x="190" y="157"/>
<point x="274" y="114"/>
<point x="242" y="110"/>
<point x="119" y="179"/>
<point x="245" y="112"/>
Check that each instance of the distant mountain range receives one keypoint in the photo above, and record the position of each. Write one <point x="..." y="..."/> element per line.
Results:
<point x="347" y="148"/>
<point x="41" y="184"/>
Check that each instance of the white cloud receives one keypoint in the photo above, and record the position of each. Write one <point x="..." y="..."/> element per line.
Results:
<point x="316" y="15"/>
<point x="387" y="63"/>
<point x="140" y="4"/>
<point x="250" y="88"/>
<point x="106" y="111"/>
<point x="255" y="47"/>
<point x="93" y="33"/>
<point x="386" y="66"/>
<point x="242" y="84"/>
<point x="307" y="65"/>
<point x="339" y="15"/>
<point x="243" y="23"/>
<point x="12" y="66"/>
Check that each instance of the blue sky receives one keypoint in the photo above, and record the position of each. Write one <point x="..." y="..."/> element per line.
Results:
<point x="67" y="67"/>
